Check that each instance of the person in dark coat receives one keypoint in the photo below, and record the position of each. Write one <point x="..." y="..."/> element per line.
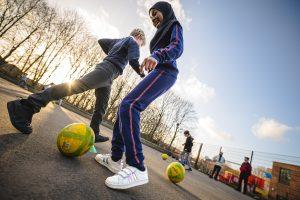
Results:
<point x="245" y="172"/>
<point x="187" y="149"/>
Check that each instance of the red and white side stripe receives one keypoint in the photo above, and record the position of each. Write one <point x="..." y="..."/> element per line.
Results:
<point x="130" y="114"/>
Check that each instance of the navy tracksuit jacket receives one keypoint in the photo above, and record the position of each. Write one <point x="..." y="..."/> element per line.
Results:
<point x="120" y="51"/>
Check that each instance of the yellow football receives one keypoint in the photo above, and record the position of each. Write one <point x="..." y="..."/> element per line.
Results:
<point x="164" y="156"/>
<point x="75" y="139"/>
<point x="175" y="172"/>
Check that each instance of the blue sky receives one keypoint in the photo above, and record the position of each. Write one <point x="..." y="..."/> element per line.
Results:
<point x="249" y="52"/>
<point x="240" y="68"/>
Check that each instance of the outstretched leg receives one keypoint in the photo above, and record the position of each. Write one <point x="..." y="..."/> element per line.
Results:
<point x="151" y="87"/>
<point x="117" y="142"/>
<point x="245" y="183"/>
<point x="217" y="172"/>
<point x="213" y="172"/>
<point x="21" y="111"/>
<point x="113" y="162"/>
<point x="127" y="130"/>
<point x="188" y="162"/>
<point x="101" y="76"/>
<point x="102" y="97"/>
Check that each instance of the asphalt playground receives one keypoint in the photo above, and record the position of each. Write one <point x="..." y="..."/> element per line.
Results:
<point x="31" y="167"/>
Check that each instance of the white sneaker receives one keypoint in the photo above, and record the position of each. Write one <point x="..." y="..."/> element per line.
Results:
<point x="105" y="160"/>
<point x="127" y="178"/>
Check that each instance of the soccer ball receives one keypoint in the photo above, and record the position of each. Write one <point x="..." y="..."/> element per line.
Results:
<point x="164" y="156"/>
<point x="75" y="139"/>
<point x="175" y="172"/>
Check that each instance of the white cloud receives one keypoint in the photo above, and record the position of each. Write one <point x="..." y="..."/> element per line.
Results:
<point x="99" y="24"/>
<point x="207" y="126"/>
<point x="194" y="90"/>
<point x="269" y="129"/>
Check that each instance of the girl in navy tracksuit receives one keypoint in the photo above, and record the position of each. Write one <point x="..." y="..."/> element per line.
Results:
<point x="165" y="47"/>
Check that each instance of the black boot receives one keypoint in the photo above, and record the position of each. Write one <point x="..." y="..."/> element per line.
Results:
<point x="100" y="138"/>
<point x="20" y="115"/>
<point x="189" y="169"/>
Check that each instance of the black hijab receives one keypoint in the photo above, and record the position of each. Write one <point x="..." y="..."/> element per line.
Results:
<point x="163" y="33"/>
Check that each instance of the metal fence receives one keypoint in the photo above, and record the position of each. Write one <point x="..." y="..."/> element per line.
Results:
<point x="262" y="168"/>
<point x="235" y="156"/>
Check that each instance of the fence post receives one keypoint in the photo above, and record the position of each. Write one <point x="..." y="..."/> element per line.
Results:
<point x="252" y="152"/>
<point x="199" y="151"/>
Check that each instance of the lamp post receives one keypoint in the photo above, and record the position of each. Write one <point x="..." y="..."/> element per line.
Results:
<point x="199" y="151"/>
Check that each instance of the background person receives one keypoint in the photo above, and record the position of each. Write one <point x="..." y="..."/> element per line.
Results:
<point x="187" y="149"/>
<point x="245" y="172"/>
<point x="220" y="160"/>
<point x="23" y="81"/>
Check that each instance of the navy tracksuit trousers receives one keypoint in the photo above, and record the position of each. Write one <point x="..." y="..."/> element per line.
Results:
<point x="126" y="133"/>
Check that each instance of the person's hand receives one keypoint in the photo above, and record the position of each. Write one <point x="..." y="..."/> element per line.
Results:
<point x="148" y="64"/>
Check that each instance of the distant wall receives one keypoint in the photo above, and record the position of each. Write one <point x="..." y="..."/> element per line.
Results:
<point x="277" y="189"/>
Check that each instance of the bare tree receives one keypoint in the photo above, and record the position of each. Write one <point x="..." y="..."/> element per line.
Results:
<point x="15" y="11"/>
<point x="121" y="87"/>
<point x="162" y="106"/>
<point x="184" y="116"/>
<point x="72" y="27"/>
<point x="37" y="38"/>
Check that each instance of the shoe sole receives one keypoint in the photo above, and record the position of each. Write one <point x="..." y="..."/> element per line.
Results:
<point x="101" y="141"/>
<point x="11" y="109"/>
<point x="105" y="165"/>
<point x="124" y="187"/>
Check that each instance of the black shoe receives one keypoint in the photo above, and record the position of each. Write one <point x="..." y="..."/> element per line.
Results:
<point x="189" y="169"/>
<point x="100" y="138"/>
<point x="20" y="116"/>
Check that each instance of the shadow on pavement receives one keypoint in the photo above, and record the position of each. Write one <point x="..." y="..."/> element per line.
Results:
<point x="183" y="190"/>
<point x="13" y="93"/>
<point x="177" y="187"/>
<point x="68" y="161"/>
<point x="125" y="194"/>
<point x="10" y="141"/>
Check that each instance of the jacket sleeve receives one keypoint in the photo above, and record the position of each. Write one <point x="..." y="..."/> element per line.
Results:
<point x="249" y="169"/>
<point x="134" y="63"/>
<point x="174" y="49"/>
<point x="107" y="44"/>
<point x="134" y="55"/>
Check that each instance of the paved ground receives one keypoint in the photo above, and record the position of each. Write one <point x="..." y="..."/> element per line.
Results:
<point x="31" y="167"/>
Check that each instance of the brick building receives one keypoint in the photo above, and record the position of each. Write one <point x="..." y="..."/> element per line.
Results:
<point x="285" y="182"/>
